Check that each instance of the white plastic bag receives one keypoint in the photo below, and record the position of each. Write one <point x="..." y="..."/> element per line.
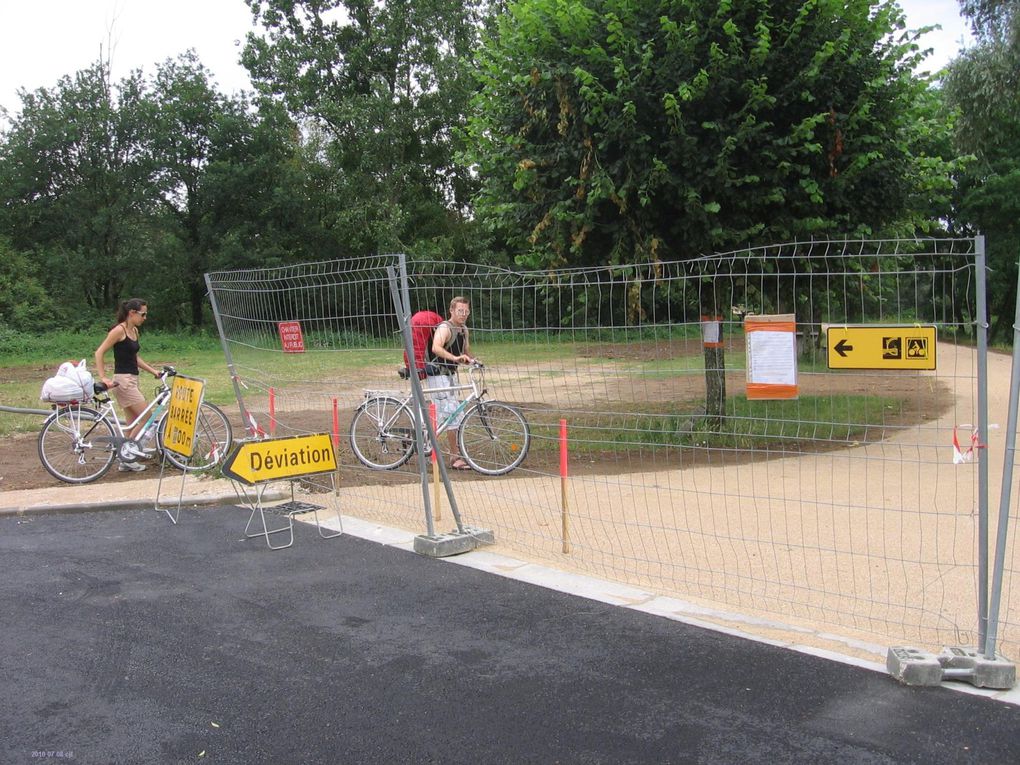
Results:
<point x="73" y="382"/>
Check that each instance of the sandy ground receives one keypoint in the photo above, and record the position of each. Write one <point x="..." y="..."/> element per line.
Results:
<point x="851" y="550"/>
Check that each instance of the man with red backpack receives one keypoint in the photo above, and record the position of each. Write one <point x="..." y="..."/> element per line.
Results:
<point x="451" y="346"/>
<point x="439" y="347"/>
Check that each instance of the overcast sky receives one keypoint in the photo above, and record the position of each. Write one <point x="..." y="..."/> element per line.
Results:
<point x="42" y="40"/>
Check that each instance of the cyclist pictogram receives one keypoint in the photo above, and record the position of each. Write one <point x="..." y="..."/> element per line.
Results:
<point x="917" y="347"/>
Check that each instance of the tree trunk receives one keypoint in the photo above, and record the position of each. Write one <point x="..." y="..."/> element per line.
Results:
<point x="715" y="387"/>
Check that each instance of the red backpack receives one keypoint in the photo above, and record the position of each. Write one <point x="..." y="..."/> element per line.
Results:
<point x="423" y="327"/>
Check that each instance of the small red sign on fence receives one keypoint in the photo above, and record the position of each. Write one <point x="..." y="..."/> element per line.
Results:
<point x="290" y="336"/>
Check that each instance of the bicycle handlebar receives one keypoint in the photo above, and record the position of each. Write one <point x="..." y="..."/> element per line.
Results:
<point x="101" y="387"/>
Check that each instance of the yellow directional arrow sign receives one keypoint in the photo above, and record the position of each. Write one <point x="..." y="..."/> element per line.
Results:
<point x="881" y="347"/>
<point x="255" y="462"/>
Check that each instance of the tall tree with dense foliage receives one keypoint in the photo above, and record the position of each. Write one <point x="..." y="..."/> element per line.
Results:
<point x="74" y="179"/>
<point x="222" y="174"/>
<point x="607" y="131"/>
<point x="140" y="188"/>
<point x="384" y="83"/>
<point x="983" y="86"/>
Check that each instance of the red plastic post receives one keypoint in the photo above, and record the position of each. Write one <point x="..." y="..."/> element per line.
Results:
<point x="336" y="425"/>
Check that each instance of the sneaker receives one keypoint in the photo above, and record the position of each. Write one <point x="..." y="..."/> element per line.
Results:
<point x="130" y="467"/>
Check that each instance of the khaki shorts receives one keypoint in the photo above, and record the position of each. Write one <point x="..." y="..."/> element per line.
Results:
<point x="126" y="392"/>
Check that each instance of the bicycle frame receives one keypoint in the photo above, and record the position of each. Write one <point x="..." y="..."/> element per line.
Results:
<point x="152" y="411"/>
<point x="475" y="395"/>
<point x="407" y="400"/>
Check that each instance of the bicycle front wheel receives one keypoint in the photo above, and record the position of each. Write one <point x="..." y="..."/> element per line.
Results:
<point x="382" y="433"/>
<point x="76" y="444"/>
<point x="494" y="437"/>
<point x="213" y="436"/>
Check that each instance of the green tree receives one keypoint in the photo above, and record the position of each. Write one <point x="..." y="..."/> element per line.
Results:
<point x="74" y="180"/>
<point x="606" y="131"/>
<point x="229" y="179"/>
<point x="24" y="302"/>
<point x="983" y="86"/>
<point x="384" y="85"/>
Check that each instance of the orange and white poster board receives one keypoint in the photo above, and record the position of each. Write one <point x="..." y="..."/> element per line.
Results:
<point x="771" y="356"/>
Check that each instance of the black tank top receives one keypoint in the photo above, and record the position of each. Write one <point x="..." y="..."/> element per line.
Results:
<point x="125" y="356"/>
<point x="454" y="346"/>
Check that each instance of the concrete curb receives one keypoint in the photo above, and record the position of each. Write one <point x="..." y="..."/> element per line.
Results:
<point x="131" y="504"/>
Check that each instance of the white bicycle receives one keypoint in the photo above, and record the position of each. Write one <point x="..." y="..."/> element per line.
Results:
<point x="79" y="443"/>
<point x="493" y="437"/>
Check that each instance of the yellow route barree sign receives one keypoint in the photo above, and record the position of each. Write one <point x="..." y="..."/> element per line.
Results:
<point x="868" y="346"/>
<point x="185" y="399"/>
<point x="274" y="459"/>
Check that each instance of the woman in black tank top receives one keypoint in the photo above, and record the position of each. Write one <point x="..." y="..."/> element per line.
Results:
<point x="123" y="339"/>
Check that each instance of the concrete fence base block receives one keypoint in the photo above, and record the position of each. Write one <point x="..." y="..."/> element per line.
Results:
<point x="453" y="543"/>
<point x="483" y="536"/>
<point x="913" y="666"/>
<point x="975" y="668"/>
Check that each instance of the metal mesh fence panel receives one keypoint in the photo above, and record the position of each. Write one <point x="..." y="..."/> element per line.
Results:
<point x="838" y="511"/>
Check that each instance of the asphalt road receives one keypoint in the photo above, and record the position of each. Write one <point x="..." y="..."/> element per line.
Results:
<point x="127" y="640"/>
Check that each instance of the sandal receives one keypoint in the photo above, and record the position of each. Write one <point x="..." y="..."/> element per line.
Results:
<point x="459" y="464"/>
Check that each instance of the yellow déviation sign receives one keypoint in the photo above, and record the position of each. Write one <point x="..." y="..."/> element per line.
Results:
<point x="254" y="462"/>
<point x="182" y="414"/>
<point x="881" y="347"/>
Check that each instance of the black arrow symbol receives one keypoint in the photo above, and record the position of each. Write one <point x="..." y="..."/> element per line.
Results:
<point x="841" y="347"/>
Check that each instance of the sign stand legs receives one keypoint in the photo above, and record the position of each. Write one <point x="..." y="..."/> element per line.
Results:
<point x="287" y="510"/>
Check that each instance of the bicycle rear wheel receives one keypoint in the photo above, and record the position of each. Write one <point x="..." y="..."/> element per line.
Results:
<point x="213" y="436"/>
<point x="76" y="444"/>
<point x="382" y="433"/>
<point x="494" y="438"/>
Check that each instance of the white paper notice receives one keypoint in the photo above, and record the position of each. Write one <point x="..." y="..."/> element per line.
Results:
<point x="772" y="358"/>
<point x="710" y="332"/>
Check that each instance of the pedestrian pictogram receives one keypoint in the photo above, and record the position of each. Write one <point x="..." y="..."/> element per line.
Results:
<point x="881" y="347"/>
<point x="892" y="347"/>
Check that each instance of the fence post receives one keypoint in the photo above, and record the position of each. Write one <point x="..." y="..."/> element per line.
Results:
<point x="404" y="319"/>
<point x="981" y="327"/>
<point x="1005" y="494"/>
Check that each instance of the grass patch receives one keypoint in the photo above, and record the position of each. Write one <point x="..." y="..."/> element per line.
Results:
<point x="824" y="421"/>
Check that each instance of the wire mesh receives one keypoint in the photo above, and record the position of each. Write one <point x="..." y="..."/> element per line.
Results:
<point x="841" y="510"/>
